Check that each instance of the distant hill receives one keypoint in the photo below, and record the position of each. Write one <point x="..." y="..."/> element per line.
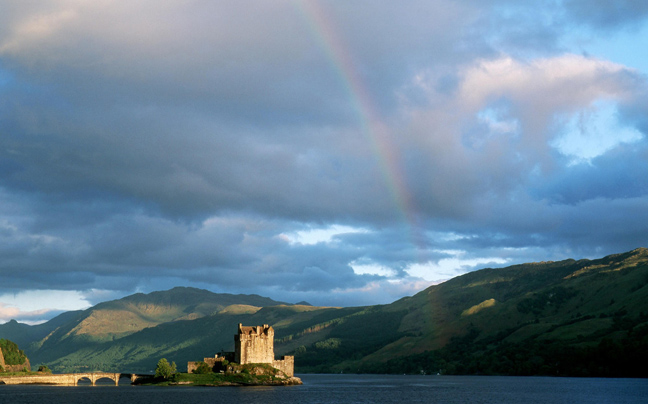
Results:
<point x="74" y="334"/>
<point x="24" y="335"/>
<point x="116" y="319"/>
<point x="583" y="318"/>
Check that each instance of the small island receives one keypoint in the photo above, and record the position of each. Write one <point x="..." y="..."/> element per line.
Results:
<point x="258" y="374"/>
<point x="251" y="364"/>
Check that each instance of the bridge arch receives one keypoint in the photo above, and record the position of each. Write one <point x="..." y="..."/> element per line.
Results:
<point x="127" y="376"/>
<point x="103" y="378"/>
<point x="83" y="379"/>
<point x="94" y="377"/>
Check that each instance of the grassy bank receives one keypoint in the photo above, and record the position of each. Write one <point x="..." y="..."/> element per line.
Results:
<point x="245" y="375"/>
<point x="222" y="379"/>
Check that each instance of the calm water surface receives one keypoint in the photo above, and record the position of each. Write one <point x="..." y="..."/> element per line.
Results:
<point x="353" y="389"/>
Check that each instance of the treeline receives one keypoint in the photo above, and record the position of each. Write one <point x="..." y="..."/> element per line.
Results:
<point x="620" y="351"/>
<point x="311" y="329"/>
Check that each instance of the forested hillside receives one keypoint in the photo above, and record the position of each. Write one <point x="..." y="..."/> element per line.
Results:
<point x="554" y="318"/>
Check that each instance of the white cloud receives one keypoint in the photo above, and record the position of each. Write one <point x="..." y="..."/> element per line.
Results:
<point x="28" y="300"/>
<point x="555" y="82"/>
<point x="447" y="268"/>
<point x="372" y="269"/>
<point x="592" y="131"/>
<point x="34" y="305"/>
<point x="321" y="235"/>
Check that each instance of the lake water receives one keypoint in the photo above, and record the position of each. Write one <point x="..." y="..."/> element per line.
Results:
<point x="353" y="389"/>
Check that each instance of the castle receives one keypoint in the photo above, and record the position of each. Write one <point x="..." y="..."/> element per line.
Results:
<point x="252" y="345"/>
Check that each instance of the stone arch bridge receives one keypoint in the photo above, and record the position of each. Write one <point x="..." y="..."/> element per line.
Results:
<point x="69" y="379"/>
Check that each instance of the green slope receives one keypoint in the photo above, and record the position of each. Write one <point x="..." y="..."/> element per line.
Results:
<point x="514" y="320"/>
<point x="586" y="318"/>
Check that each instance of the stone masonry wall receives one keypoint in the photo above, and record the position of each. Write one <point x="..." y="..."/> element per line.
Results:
<point x="254" y="344"/>
<point x="211" y="362"/>
<point x="18" y="368"/>
<point x="66" y="379"/>
<point x="286" y="365"/>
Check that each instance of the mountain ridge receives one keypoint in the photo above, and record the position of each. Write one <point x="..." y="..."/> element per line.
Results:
<point x="464" y="325"/>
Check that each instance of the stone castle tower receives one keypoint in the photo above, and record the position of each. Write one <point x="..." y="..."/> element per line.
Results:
<point x="254" y="344"/>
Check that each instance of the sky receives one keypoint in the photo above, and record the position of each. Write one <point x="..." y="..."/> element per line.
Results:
<point x="341" y="153"/>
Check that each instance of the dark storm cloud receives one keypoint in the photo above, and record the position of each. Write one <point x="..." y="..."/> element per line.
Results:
<point x="612" y="176"/>
<point x="163" y="126"/>
<point x="155" y="144"/>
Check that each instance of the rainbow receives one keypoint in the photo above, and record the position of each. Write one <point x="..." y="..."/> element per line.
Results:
<point x="373" y="129"/>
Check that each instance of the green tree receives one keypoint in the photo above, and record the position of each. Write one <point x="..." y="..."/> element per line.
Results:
<point x="44" y="369"/>
<point x="164" y="369"/>
<point x="300" y="350"/>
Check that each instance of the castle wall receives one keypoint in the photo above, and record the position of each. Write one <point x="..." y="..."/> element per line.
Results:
<point x="286" y="365"/>
<point x="18" y="368"/>
<point x="191" y="366"/>
<point x="211" y="362"/>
